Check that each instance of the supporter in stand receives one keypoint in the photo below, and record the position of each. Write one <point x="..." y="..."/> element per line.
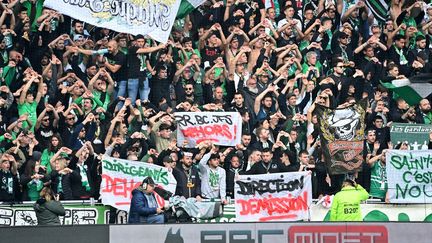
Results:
<point x="48" y="208"/>
<point x="8" y="178"/>
<point x="378" y="181"/>
<point x="213" y="176"/>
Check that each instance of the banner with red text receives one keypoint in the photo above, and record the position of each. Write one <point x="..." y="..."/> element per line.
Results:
<point x="221" y="128"/>
<point x="120" y="177"/>
<point x="342" y="136"/>
<point x="273" y="197"/>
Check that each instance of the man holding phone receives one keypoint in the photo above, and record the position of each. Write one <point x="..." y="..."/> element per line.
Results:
<point x="144" y="207"/>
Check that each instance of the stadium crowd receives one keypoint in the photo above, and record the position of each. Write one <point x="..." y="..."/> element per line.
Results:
<point x="71" y="92"/>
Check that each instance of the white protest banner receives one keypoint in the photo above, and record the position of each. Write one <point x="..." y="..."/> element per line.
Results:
<point x="120" y="177"/>
<point x="409" y="176"/>
<point x="221" y="128"/>
<point x="145" y="17"/>
<point x="273" y="197"/>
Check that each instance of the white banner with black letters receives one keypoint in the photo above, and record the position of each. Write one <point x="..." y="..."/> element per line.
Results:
<point x="221" y="128"/>
<point x="153" y="18"/>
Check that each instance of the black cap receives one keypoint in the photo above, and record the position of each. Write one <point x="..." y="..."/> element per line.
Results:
<point x="167" y="159"/>
<point x="343" y="35"/>
<point x="326" y="86"/>
<point x="164" y="107"/>
<point x="37" y="155"/>
<point x="149" y="181"/>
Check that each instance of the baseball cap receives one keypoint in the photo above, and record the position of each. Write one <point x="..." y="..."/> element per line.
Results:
<point x="77" y="37"/>
<point x="149" y="181"/>
<point x="167" y="159"/>
<point x="343" y="35"/>
<point x="37" y="155"/>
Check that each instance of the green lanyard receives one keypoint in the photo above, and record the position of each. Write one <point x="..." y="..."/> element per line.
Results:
<point x="330" y="35"/>
<point x="60" y="184"/>
<point x="344" y="55"/>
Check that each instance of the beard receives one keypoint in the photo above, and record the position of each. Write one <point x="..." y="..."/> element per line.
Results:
<point x="253" y="90"/>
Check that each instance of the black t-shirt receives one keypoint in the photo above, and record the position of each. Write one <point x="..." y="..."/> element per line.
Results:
<point x="210" y="54"/>
<point x="137" y="63"/>
<point x="118" y="59"/>
<point x="263" y="168"/>
<point x="44" y="134"/>
<point x="283" y="42"/>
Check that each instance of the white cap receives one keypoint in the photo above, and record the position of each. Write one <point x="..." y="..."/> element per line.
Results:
<point x="206" y="64"/>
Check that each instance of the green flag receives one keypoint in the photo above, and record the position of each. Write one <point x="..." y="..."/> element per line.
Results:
<point x="402" y="89"/>
<point x="187" y="6"/>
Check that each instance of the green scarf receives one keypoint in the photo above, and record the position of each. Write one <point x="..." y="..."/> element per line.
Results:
<point x="403" y="60"/>
<point x="84" y="179"/>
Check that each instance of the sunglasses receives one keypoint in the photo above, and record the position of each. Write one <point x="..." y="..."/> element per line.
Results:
<point x="70" y="118"/>
<point x="188" y="88"/>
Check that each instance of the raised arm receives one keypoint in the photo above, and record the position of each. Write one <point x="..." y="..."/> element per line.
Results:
<point x="93" y="80"/>
<point x="40" y="118"/>
<point x="151" y="49"/>
<point x="257" y="104"/>
<point x="25" y="90"/>
<point x="111" y="130"/>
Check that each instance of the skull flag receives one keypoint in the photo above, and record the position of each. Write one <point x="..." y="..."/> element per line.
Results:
<point x="342" y="133"/>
